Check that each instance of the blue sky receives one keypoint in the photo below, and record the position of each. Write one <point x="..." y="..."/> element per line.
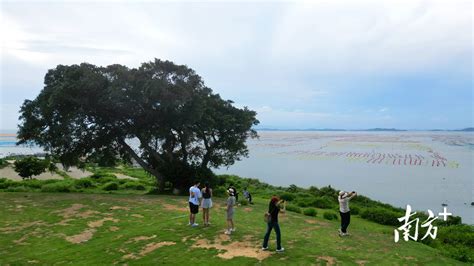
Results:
<point x="318" y="64"/>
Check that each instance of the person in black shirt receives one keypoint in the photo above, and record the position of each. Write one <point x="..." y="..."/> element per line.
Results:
<point x="273" y="210"/>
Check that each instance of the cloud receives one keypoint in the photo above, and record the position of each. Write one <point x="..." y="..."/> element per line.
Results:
<point x="299" y="63"/>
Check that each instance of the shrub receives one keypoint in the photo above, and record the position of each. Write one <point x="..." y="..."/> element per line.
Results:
<point x="110" y="186"/>
<point x="34" y="183"/>
<point x="103" y="178"/>
<point x="62" y="186"/>
<point x="355" y="210"/>
<point x="219" y="192"/>
<point x="287" y="196"/>
<point x="5" y="183"/>
<point x="381" y="216"/>
<point x="293" y="208"/>
<point x="243" y="202"/>
<point x="305" y="202"/>
<point x="30" y="166"/>
<point x="330" y="215"/>
<point x="3" y="163"/>
<point x="133" y="185"/>
<point x="323" y="203"/>
<point x="18" y="189"/>
<point x="83" y="183"/>
<point x="310" y="212"/>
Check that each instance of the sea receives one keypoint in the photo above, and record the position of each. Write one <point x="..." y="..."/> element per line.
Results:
<point x="427" y="170"/>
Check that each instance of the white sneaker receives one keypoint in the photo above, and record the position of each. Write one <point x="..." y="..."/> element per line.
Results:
<point x="233" y="229"/>
<point x="227" y="232"/>
<point x="194" y="225"/>
<point x="280" y="250"/>
<point x="264" y="248"/>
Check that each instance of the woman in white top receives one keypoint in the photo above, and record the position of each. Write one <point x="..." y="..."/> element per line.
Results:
<point x="344" y="198"/>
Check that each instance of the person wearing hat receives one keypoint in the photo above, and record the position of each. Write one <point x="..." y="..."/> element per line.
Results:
<point x="344" y="198"/>
<point x="230" y="211"/>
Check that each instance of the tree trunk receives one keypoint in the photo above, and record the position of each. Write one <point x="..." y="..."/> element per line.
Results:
<point x="160" y="180"/>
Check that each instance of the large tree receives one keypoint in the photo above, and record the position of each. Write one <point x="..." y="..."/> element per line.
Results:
<point x="160" y="114"/>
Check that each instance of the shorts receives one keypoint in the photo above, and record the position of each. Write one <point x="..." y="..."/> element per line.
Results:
<point x="230" y="215"/>
<point x="193" y="208"/>
<point x="206" y="203"/>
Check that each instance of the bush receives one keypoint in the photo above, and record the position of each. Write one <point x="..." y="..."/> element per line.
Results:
<point x="61" y="186"/>
<point x="30" y="166"/>
<point x="3" y="163"/>
<point x="219" y="192"/>
<point x="5" y="183"/>
<point x="243" y="202"/>
<point x="133" y="185"/>
<point x="323" y="203"/>
<point x="305" y="202"/>
<point x="110" y="186"/>
<point x="83" y="183"/>
<point x="293" y="208"/>
<point x="310" y="212"/>
<point x="355" y="210"/>
<point x="287" y="196"/>
<point x="103" y="178"/>
<point x="381" y="216"/>
<point x="330" y="216"/>
<point x="18" y="189"/>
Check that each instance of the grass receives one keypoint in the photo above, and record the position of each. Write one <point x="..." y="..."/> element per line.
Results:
<point x="151" y="229"/>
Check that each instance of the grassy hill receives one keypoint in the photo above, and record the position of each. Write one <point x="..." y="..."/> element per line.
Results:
<point x="91" y="229"/>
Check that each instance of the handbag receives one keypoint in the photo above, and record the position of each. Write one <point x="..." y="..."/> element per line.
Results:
<point x="267" y="217"/>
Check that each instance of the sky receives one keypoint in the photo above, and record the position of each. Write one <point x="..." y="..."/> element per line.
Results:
<point x="308" y="64"/>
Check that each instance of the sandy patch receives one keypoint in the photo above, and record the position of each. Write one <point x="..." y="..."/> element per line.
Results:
<point x="317" y="222"/>
<point x="87" y="214"/>
<point x="119" y="208"/>
<point x="245" y="248"/>
<point x="88" y="233"/>
<point x="85" y="236"/>
<point x="71" y="211"/>
<point x="99" y="223"/>
<point x="74" y="172"/>
<point x="122" y="176"/>
<point x="329" y="260"/>
<point x="361" y="262"/>
<point x="170" y="207"/>
<point x="248" y="209"/>
<point x="137" y="215"/>
<point x="13" y="229"/>
<point x="113" y="228"/>
<point x="141" y="238"/>
<point x="9" y="173"/>
<point x="148" y="249"/>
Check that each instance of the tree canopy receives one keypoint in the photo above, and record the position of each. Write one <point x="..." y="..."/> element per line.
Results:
<point x="160" y="114"/>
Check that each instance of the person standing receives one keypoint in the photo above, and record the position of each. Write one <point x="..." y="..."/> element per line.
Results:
<point x="194" y="198"/>
<point x="206" y="203"/>
<point x="273" y="211"/>
<point x="344" y="210"/>
<point x="247" y="195"/>
<point x="230" y="211"/>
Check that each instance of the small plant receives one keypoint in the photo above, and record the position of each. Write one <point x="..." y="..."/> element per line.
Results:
<point x="62" y="186"/>
<point x="30" y="166"/>
<point x="110" y="186"/>
<point x="310" y="212"/>
<point x="330" y="215"/>
<point x="293" y="208"/>
<point x="83" y="183"/>
<point x="323" y="203"/>
<point x="243" y="202"/>
<point x="287" y="196"/>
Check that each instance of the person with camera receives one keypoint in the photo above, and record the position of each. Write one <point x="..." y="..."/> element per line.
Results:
<point x="271" y="218"/>
<point x="344" y="198"/>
